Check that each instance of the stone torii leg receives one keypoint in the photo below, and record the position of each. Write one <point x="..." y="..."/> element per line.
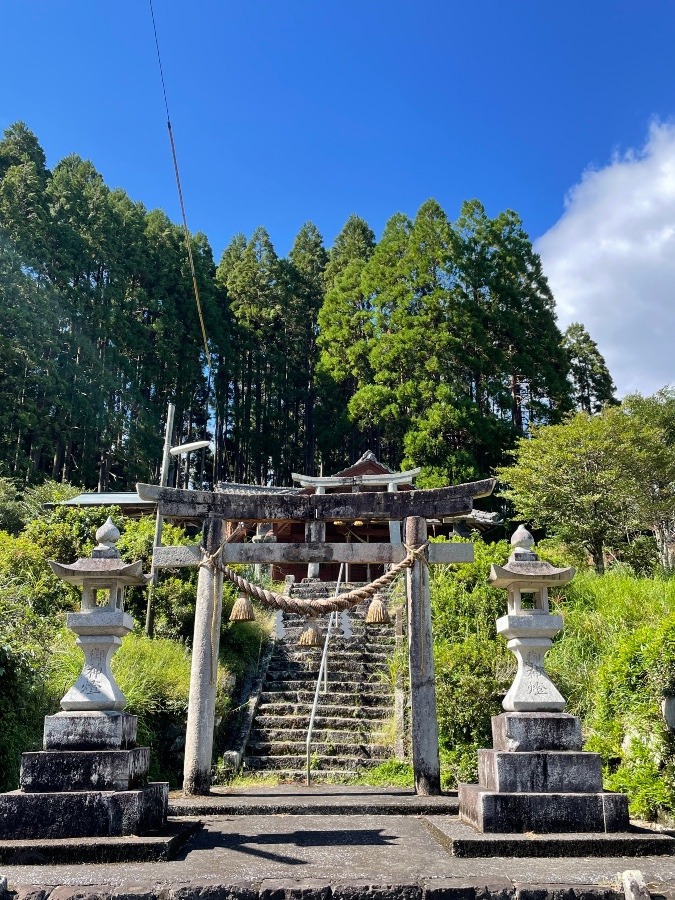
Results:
<point x="204" y="671"/>
<point x="424" y="725"/>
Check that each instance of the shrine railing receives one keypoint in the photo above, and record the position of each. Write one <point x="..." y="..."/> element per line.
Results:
<point x="323" y="674"/>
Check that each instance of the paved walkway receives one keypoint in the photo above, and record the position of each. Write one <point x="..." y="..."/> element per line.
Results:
<point x="338" y="856"/>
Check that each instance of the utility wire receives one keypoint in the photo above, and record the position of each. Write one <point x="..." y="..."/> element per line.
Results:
<point x="188" y="243"/>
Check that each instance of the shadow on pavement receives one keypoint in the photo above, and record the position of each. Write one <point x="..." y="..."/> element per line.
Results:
<point x="253" y="844"/>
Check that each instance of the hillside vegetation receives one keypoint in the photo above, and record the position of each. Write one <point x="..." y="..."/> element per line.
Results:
<point x="614" y="663"/>
<point x="39" y="660"/>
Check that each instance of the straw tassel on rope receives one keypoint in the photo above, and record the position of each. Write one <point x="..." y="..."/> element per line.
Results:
<point x="311" y="636"/>
<point x="242" y="611"/>
<point x="377" y="612"/>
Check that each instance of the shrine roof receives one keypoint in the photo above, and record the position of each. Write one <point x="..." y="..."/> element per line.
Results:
<point x="367" y="472"/>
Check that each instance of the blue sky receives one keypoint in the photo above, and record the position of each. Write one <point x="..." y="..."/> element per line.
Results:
<point x="284" y="112"/>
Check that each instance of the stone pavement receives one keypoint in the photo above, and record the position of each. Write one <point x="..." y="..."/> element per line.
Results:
<point x="332" y="856"/>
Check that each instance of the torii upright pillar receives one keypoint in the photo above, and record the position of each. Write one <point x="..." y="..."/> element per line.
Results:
<point x="424" y="724"/>
<point x="204" y="671"/>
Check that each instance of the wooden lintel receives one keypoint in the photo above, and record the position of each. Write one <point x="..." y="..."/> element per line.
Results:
<point x="245" y="507"/>
<point x="275" y="554"/>
<point x="339" y="553"/>
<point x="395" y="506"/>
<point x="176" y="557"/>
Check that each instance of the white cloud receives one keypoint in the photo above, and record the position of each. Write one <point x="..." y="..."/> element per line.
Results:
<point x="610" y="261"/>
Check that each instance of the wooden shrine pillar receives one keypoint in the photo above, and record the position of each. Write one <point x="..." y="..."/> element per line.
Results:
<point x="424" y="724"/>
<point x="204" y="671"/>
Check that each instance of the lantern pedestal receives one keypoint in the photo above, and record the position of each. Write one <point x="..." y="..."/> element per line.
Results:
<point x="90" y="780"/>
<point x="536" y="778"/>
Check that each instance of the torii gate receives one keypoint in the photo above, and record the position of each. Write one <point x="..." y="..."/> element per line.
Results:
<point x="415" y="507"/>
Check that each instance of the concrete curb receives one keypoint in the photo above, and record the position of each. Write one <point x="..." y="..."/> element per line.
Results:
<point x="319" y="889"/>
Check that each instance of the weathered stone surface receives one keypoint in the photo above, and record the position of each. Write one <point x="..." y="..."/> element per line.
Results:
<point x="529" y="731"/>
<point x="158" y="846"/>
<point x="215" y="890"/>
<point x="84" y="770"/>
<point x="83" y="814"/>
<point x="447" y="889"/>
<point x="566" y="892"/>
<point x="30" y="892"/>
<point x="290" y="889"/>
<point x="463" y="841"/>
<point x="90" y="731"/>
<point x="503" y="813"/>
<point x="540" y="772"/>
<point x="496" y="889"/>
<point x="363" y="889"/>
<point x="80" y="892"/>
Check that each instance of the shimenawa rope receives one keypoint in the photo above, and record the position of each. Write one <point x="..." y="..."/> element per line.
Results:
<point x="319" y="606"/>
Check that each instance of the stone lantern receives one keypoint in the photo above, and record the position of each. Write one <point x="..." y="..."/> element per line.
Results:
<point x="90" y="780"/>
<point x="102" y="622"/>
<point x="528" y="625"/>
<point x="536" y="778"/>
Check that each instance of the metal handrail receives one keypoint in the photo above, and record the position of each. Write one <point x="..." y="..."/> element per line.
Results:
<point x="323" y="672"/>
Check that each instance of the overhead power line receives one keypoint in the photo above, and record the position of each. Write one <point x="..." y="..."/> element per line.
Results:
<point x="188" y="243"/>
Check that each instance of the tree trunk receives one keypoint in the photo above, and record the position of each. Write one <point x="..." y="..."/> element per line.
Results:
<point x="598" y="554"/>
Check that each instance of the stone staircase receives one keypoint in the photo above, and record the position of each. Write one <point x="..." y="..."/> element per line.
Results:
<point x="357" y="707"/>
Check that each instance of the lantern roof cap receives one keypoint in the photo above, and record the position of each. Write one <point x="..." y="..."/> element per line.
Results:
<point x="105" y="563"/>
<point x="524" y="567"/>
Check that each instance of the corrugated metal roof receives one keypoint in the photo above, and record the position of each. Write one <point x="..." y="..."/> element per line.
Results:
<point x="120" y="498"/>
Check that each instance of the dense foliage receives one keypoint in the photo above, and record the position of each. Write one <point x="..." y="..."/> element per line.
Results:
<point x="600" y="482"/>
<point x="38" y="656"/>
<point x="436" y="345"/>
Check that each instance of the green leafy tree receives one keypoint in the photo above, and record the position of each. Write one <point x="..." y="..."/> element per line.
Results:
<point x="575" y="480"/>
<point x="649" y="447"/>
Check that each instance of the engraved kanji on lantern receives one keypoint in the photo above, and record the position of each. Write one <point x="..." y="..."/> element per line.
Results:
<point x="528" y="625"/>
<point x="101" y="622"/>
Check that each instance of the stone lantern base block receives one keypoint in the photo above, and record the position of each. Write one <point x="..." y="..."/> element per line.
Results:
<point x="543" y="813"/>
<point x="523" y="732"/>
<point x="83" y="814"/>
<point x="90" y="731"/>
<point x="550" y="772"/>
<point x="537" y="779"/>
<point x="84" y="770"/>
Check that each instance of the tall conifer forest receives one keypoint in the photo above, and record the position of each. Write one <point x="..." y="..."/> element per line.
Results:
<point x="436" y="345"/>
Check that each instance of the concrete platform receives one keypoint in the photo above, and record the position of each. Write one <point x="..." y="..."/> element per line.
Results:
<point x="463" y="841"/>
<point x="318" y="799"/>
<point x="311" y="857"/>
<point x="75" y="851"/>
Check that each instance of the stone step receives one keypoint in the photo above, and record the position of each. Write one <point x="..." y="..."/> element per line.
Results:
<point x="337" y="671"/>
<point x="349" y="651"/>
<point x="274" y="749"/>
<point x="304" y="700"/>
<point x="319" y="762"/>
<point x="307" y="680"/>
<point x="299" y="776"/>
<point x="359" y="639"/>
<point x="362" y="732"/>
<point x="368" y="696"/>
<point x="328" y="709"/>
<point x="336" y="661"/>
<point x="358" y="720"/>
